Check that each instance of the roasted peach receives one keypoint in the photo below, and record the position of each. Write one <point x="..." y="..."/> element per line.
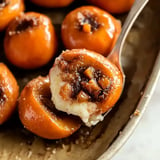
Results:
<point x="9" y="9"/>
<point x="38" y="113"/>
<point x="91" y="28"/>
<point x="9" y="91"/>
<point x="113" y="6"/>
<point x="52" y="3"/>
<point x="30" y="41"/>
<point x="85" y="83"/>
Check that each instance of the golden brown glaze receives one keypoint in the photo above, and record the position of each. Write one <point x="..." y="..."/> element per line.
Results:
<point x="88" y="77"/>
<point x="113" y="6"/>
<point x="38" y="114"/>
<point x="91" y="28"/>
<point x="30" y="41"/>
<point x="9" y="9"/>
<point x="9" y="91"/>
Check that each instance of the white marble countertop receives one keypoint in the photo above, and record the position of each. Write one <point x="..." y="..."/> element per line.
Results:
<point x="144" y="144"/>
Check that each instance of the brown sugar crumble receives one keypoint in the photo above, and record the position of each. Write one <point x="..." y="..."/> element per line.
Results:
<point x="137" y="112"/>
<point x="3" y="3"/>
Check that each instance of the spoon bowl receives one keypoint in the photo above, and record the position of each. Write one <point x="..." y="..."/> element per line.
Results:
<point x="115" y="55"/>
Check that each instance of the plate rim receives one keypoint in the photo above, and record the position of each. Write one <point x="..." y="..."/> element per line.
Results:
<point x="141" y="107"/>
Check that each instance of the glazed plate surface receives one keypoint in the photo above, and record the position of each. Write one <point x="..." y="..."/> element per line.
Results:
<point x="141" y="63"/>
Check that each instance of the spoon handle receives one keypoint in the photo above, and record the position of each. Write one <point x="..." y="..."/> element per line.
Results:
<point x="115" y="55"/>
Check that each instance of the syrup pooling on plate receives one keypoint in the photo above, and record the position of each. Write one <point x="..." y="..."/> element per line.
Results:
<point x="84" y="83"/>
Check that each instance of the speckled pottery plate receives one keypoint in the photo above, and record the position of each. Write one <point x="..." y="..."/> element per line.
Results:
<point x="141" y="63"/>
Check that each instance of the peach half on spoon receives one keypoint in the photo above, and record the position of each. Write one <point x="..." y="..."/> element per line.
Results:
<point x="84" y="83"/>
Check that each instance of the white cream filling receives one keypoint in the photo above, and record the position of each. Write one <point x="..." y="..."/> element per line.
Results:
<point x="85" y="110"/>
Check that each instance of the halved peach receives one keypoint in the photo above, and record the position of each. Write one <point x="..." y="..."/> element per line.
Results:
<point x="9" y="91"/>
<point x="85" y="83"/>
<point x="38" y="114"/>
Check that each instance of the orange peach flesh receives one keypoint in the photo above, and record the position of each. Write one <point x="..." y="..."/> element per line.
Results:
<point x="39" y="115"/>
<point x="28" y="28"/>
<point x="9" y="91"/>
<point x="90" y="28"/>
<point x="96" y="84"/>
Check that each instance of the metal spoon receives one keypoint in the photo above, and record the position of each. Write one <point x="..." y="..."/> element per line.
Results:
<point x="115" y="55"/>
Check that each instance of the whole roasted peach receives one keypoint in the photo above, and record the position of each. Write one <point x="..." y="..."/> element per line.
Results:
<point x="91" y="28"/>
<point x="85" y="84"/>
<point x="30" y="41"/>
